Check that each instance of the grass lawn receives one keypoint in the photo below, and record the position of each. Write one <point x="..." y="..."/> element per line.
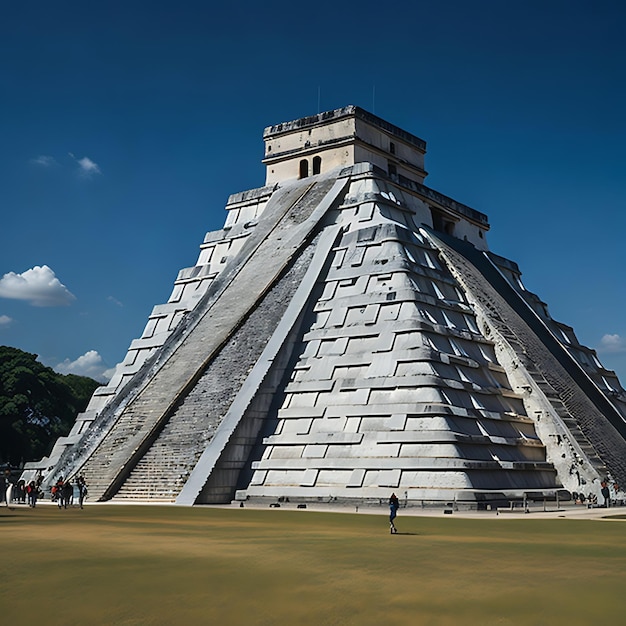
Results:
<point x="165" y="565"/>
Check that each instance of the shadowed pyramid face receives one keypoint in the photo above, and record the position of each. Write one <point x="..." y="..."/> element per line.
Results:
<point x="347" y="334"/>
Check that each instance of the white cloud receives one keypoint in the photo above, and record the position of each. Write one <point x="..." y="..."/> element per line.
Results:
<point x="38" y="285"/>
<point x="115" y="301"/>
<point x="44" y="161"/>
<point x="612" y="343"/>
<point x="89" y="364"/>
<point x="87" y="167"/>
<point x="5" y="321"/>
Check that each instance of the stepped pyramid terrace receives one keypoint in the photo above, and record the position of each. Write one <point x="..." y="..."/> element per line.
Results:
<point x="346" y="334"/>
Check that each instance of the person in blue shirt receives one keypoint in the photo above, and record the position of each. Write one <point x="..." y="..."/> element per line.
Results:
<point x="394" y="505"/>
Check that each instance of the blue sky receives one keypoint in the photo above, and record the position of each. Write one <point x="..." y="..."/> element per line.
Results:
<point x="126" y="125"/>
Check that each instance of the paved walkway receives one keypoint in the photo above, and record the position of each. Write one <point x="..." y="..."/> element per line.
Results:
<point x="535" y="512"/>
<point x="567" y="511"/>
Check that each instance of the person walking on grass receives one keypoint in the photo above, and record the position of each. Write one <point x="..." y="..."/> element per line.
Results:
<point x="394" y="505"/>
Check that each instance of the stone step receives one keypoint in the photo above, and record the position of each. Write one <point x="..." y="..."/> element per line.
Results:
<point x="278" y="232"/>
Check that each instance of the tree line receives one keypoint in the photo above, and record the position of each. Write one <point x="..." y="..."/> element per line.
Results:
<point x="37" y="405"/>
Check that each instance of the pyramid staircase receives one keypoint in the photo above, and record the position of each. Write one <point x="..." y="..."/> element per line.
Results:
<point x="582" y="408"/>
<point x="287" y="223"/>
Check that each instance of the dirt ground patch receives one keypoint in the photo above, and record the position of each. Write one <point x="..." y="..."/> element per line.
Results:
<point x="173" y="565"/>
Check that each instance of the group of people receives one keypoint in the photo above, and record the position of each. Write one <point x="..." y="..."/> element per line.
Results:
<point x="63" y="492"/>
<point x="20" y="491"/>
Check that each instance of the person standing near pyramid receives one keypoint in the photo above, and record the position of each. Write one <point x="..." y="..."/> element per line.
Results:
<point x="394" y="505"/>
<point x="82" y="490"/>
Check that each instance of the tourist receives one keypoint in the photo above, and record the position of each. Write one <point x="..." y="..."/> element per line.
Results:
<point x="32" y="491"/>
<point x="21" y="491"/>
<point x="57" y="492"/>
<point x="394" y="505"/>
<point x="67" y="493"/>
<point x="9" y="492"/>
<point x="606" y="494"/>
<point x="82" y="490"/>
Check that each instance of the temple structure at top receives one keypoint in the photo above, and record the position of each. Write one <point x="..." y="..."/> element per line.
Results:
<point x="346" y="334"/>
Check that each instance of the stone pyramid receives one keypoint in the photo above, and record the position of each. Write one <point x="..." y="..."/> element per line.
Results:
<point x="348" y="334"/>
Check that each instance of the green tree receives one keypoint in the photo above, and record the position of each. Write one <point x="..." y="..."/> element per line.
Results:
<point x="37" y="405"/>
